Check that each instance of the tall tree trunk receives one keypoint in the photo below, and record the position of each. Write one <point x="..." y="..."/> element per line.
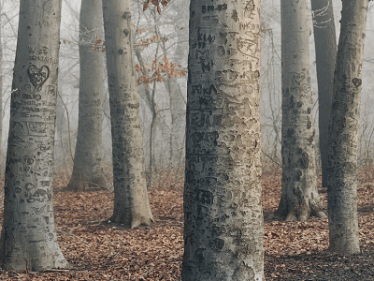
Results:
<point x="177" y="102"/>
<point x="87" y="171"/>
<point x="28" y="238"/>
<point x="223" y="233"/>
<point x="131" y="204"/>
<point x="325" y="43"/>
<point x="344" y="124"/>
<point x="299" y="198"/>
<point x="149" y="100"/>
<point x="61" y="150"/>
<point x="1" y="91"/>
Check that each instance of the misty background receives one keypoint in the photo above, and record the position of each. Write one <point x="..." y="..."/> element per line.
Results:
<point x="166" y="35"/>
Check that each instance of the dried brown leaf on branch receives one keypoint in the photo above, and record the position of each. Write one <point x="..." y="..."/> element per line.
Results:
<point x="165" y="2"/>
<point x="155" y="3"/>
<point x="145" y="5"/>
<point x="159" y="71"/>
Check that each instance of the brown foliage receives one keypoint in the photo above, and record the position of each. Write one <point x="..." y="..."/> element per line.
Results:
<point x="159" y="70"/>
<point x="156" y="3"/>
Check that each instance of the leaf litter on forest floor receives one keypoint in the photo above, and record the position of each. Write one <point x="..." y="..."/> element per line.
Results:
<point x="100" y="250"/>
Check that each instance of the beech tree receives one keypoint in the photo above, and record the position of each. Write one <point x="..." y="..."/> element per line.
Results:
<point x="299" y="198"/>
<point x="1" y="87"/>
<point x="223" y="232"/>
<point x="344" y="124"/>
<point x="131" y="204"/>
<point x="28" y="238"/>
<point x="325" y="43"/>
<point x="87" y="170"/>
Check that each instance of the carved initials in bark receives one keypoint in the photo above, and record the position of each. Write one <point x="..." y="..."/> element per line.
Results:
<point x="37" y="129"/>
<point x="306" y="88"/>
<point x="299" y="198"/>
<point x="249" y="9"/>
<point x="247" y="47"/>
<point x="38" y="76"/>
<point x="40" y="210"/>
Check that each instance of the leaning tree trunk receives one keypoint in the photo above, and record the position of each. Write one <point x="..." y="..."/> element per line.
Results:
<point x="299" y="198"/>
<point x="87" y="171"/>
<point x="131" y="204"/>
<point x="223" y="233"/>
<point x="325" y="43"/>
<point x="344" y="124"/>
<point x="28" y="238"/>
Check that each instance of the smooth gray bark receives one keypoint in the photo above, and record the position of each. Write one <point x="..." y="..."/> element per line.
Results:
<point x="177" y="102"/>
<point x="223" y="231"/>
<point x="344" y="124"/>
<point x="1" y="91"/>
<point x="28" y="238"/>
<point x="62" y="152"/>
<point x="325" y="45"/>
<point x="151" y="104"/>
<point x="87" y="171"/>
<point x="178" y="115"/>
<point x="131" y="204"/>
<point x="299" y="198"/>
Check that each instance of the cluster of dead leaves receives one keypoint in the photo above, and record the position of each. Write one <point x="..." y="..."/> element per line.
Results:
<point x="100" y="250"/>
<point x="158" y="71"/>
<point x="155" y="3"/>
<point x="145" y="42"/>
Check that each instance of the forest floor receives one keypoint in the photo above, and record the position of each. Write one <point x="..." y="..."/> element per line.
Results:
<point x="100" y="250"/>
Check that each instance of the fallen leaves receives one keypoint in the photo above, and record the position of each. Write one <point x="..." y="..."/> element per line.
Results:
<point x="299" y="250"/>
<point x="100" y="250"/>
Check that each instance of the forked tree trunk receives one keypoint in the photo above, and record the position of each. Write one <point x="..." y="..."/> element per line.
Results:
<point x="223" y="233"/>
<point x="131" y="204"/>
<point x="28" y="238"/>
<point x="325" y="43"/>
<point x="87" y="171"/>
<point x="344" y="124"/>
<point x="299" y="198"/>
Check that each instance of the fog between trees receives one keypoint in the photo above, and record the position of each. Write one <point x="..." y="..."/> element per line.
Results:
<point x="173" y="23"/>
<point x="160" y="40"/>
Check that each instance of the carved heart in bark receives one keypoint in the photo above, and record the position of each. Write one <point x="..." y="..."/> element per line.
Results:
<point x="299" y="77"/>
<point x="357" y="82"/>
<point x="38" y="76"/>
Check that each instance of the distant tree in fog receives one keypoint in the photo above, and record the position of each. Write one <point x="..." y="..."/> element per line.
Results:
<point x="299" y="198"/>
<point x="87" y="170"/>
<point x="131" y="204"/>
